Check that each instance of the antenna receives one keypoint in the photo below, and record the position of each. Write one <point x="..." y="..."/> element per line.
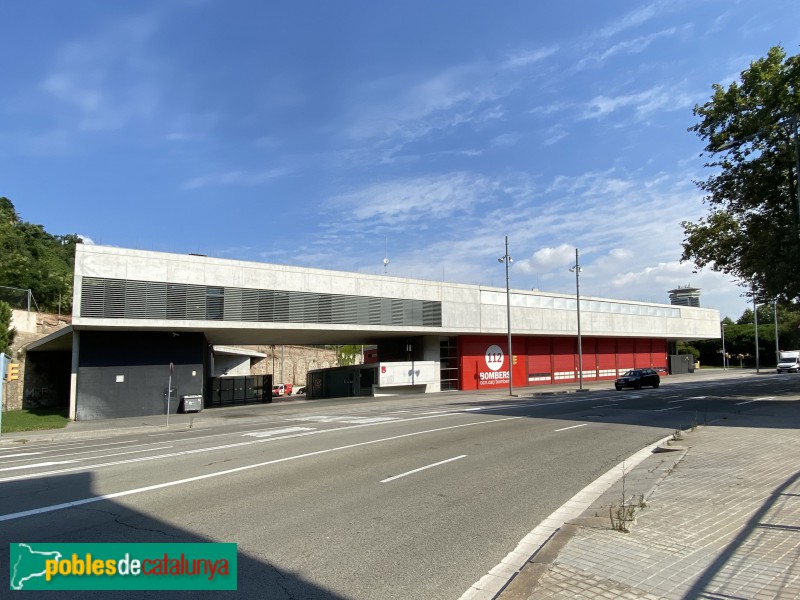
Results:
<point x="385" y="255"/>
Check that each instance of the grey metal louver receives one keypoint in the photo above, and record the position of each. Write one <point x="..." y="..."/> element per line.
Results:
<point x="122" y="299"/>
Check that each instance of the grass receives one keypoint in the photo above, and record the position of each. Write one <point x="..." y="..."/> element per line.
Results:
<point x="34" y="419"/>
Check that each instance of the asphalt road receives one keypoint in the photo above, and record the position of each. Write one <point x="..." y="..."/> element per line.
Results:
<point x="412" y="498"/>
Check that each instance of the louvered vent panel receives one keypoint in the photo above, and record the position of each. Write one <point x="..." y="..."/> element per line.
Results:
<point x="431" y="314"/>
<point x="233" y="304"/>
<point x="136" y="299"/>
<point x="195" y="302"/>
<point x="250" y="305"/>
<point x="118" y="299"/>
<point x="92" y="297"/>
<point x="176" y="301"/>
<point x="156" y="300"/>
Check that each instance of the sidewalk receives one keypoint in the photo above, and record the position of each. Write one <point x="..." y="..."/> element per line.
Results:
<point x="721" y="521"/>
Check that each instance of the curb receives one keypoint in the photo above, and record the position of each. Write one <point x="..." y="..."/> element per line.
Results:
<point x="491" y="585"/>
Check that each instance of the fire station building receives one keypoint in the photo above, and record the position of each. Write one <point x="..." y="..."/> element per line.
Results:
<point x="143" y="318"/>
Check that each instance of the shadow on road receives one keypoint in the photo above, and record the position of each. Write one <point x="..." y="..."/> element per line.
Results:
<point x="109" y="521"/>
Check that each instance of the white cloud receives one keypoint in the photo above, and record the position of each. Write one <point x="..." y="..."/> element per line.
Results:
<point x="406" y="201"/>
<point x="636" y="18"/>
<point x="634" y="46"/>
<point x="526" y="58"/>
<point x="650" y="100"/>
<point x="546" y="259"/>
<point x="238" y="178"/>
<point x="106" y="80"/>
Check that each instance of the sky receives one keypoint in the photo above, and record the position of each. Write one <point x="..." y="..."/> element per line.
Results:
<point x="337" y="134"/>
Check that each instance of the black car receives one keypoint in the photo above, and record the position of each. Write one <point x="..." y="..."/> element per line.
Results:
<point x="636" y="378"/>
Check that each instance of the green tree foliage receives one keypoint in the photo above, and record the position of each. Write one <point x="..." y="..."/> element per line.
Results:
<point x="751" y="230"/>
<point x="7" y="334"/>
<point x="740" y="337"/>
<point x="31" y="258"/>
<point x="346" y="355"/>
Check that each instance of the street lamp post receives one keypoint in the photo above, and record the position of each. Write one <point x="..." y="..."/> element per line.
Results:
<point x="755" y="321"/>
<point x="777" y="345"/>
<point x="724" y="355"/>
<point x="577" y="270"/>
<point x="508" y="260"/>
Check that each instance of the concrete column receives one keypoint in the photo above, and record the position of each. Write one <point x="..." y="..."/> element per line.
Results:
<point x="73" y="378"/>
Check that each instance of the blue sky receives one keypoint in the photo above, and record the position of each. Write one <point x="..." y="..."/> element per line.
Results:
<point x="323" y="134"/>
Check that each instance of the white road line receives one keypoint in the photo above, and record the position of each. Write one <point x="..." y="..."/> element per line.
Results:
<point x="211" y="448"/>
<point x="73" y="445"/>
<point x="747" y="402"/>
<point x="159" y="486"/>
<point x="665" y="409"/>
<point x="604" y="405"/>
<point x="20" y="454"/>
<point x="676" y="401"/>
<point x="280" y="431"/>
<point x="697" y="398"/>
<point x="145" y="448"/>
<point x="44" y="464"/>
<point x="571" y="427"/>
<point x="766" y="398"/>
<point x="441" y="462"/>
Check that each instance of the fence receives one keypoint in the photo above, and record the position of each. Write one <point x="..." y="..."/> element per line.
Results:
<point x="16" y="297"/>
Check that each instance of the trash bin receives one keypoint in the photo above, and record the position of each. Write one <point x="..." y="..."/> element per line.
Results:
<point x="192" y="403"/>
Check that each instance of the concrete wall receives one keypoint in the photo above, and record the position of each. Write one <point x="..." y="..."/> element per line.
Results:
<point x="466" y="309"/>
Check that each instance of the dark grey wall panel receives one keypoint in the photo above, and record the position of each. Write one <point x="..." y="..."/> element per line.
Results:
<point x="125" y="374"/>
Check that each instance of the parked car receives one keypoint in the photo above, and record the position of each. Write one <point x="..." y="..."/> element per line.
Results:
<point x="302" y="390"/>
<point x="282" y="389"/>
<point x="636" y="378"/>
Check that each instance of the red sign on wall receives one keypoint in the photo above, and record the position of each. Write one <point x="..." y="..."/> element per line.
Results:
<point x="485" y="363"/>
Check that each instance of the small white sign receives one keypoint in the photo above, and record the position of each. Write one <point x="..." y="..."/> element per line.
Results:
<point x="120" y="378"/>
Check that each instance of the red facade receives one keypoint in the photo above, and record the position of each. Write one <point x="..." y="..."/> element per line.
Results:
<point x="484" y="361"/>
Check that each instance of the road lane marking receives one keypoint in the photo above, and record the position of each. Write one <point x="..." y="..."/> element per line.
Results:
<point x="697" y="397"/>
<point x="571" y="427"/>
<point x="159" y="486"/>
<point x="604" y="405"/>
<point x="441" y="462"/>
<point x="670" y="408"/>
<point x="20" y="454"/>
<point x="212" y="448"/>
<point x="280" y="431"/>
<point x="44" y="464"/>
<point x="145" y="448"/>
<point x="756" y="400"/>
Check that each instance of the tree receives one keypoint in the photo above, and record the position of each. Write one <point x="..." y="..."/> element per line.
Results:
<point x="346" y="355"/>
<point x="7" y="333"/>
<point x="31" y="258"/>
<point x="752" y="229"/>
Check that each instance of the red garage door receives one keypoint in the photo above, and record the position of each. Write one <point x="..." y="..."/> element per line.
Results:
<point x="606" y="358"/>
<point x="540" y="369"/>
<point x="625" y="355"/>
<point x="564" y="360"/>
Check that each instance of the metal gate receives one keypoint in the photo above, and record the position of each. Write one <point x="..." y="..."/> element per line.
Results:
<point x="224" y="391"/>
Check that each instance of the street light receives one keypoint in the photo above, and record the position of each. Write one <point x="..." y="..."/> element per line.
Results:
<point x="506" y="258"/>
<point x="777" y="346"/>
<point x="724" y="355"/>
<point x="577" y="270"/>
<point x="755" y="320"/>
